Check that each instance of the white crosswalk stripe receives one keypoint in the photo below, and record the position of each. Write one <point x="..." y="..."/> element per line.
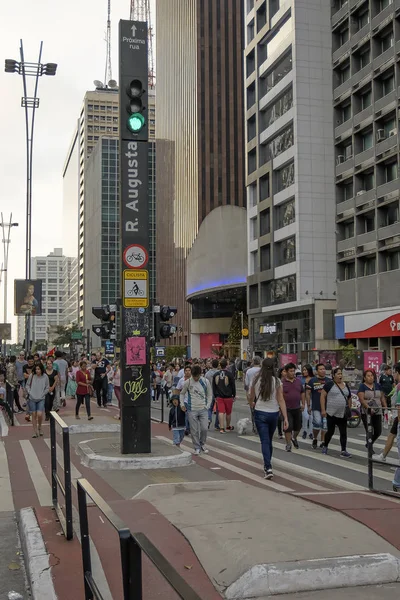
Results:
<point x="75" y="474"/>
<point x="258" y="478"/>
<point x="39" y="479"/>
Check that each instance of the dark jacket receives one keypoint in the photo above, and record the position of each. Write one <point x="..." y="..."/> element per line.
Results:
<point x="224" y="384"/>
<point x="176" y="417"/>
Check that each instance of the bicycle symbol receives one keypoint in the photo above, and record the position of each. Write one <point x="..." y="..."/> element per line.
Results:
<point x="135" y="290"/>
<point x="135" y="257"/>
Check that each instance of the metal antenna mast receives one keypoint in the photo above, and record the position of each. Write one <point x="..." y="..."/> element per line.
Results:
<point x="108" y="69"/>
<point x="140" y="11"/>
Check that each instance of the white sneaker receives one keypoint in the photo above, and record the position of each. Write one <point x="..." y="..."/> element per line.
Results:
<point x="197" y="451"/>
<point x="204" y="449"/>
<point x="381" y="458"/>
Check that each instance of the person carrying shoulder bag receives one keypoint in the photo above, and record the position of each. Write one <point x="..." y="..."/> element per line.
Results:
<point x="336" y="408"/>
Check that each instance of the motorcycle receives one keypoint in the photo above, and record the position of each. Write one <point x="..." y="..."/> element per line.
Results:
<point x="355" y="418"/>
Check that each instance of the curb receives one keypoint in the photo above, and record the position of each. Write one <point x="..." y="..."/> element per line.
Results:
<point x="89" y="428"/>
<point x="102" y="463"/>
<point x="318" y="574"/>
<point x="35" y="556"/>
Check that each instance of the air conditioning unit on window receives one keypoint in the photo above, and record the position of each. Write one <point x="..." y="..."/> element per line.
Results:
<point x="392" y="132"/>
<point x="360" y="192"/>
<point x="340" y="159"/>
<point x="381" y="135"/>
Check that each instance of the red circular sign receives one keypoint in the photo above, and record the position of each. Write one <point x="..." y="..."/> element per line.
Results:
<point x="135" y="256"/>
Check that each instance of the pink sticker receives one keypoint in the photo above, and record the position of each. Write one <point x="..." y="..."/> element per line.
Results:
<point x="135" y="351"/>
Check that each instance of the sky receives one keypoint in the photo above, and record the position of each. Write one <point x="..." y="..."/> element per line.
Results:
<point x="74" y="38"/>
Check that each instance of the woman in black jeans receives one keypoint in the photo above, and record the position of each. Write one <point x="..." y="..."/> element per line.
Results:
<point x="335" y="398"/>
<point x="53" y="382"/>
<point x="371" y="397"/>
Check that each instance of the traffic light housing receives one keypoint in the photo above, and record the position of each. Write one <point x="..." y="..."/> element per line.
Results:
<point x="134" y="112"/>
<point x="163" y="329"/>
<point x="107" y="329"/>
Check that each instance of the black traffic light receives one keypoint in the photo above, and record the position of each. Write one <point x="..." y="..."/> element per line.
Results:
<point x="107" y="329"/>
<point x="134" y="112"/>
<point x="163" y="329"/>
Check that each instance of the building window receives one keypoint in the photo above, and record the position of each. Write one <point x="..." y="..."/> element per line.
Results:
<point x="362" y="17"/>
<point x="367" y="140"/>
<point x="250" y="31"/>
<point x="328" y="317"/>
<point x="365" y="57"/>
<point x="251" y="128"/>
<point x="391" y="172"/>
<point x="253" y="296"/>
<point x="265" y="222"/>
<point x="251" y="95"/>
<point x="366" y="223"/>
<point x="347" y="271"/>
<point x="277" y="109"/>
<point x="280" y="143"/>
<point x="367" y="266"/>
<point x="366" y="99"/>
<point x="250" y="63"/>
<point x="252" y="195"/>
<point x="253" y="229"/>
<point x="285" y="214"/>
<point x="264" y="187"/>
<point x="282" y="290"/>
<point x="367" y="181"/>
<point x="343" y="35"/>
<point x="265" y="258"/>
<point x="252" y="161"/>
<point x="346" y="112"/>
<point x="344" y="74"/>
<point x="384" y="4"/>
<point x="391" y="260"/>
<point x="388" y="84"/>
<point x="279" y="70"/>
<point x="346" y="229"/>
<point x="261" y="17"/>
<point x="386" y="41"/>
<point x="389" y="215"/>
<point x="348" y="190"/>
<point x="285" y="177"/>
<point x="286" y="251"/>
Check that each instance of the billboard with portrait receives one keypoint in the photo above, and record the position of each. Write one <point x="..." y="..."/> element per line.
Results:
<point x="27" y="297"/>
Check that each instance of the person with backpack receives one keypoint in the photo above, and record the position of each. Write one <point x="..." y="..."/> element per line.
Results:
<point x="196" y="398"/>
<point x="335" y="408"/>
<point x="224" y="391"/>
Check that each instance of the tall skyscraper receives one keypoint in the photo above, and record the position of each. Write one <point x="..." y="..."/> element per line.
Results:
<point x="201" y="230"/>
<point x="59" y="290"/>
<point x="365" y="52"/>
<point x="290" y="175"/>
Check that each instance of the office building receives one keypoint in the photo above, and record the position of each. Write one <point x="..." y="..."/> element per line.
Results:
<point x="290" y="175"/>
<point x="366" y="79"/>
<point x="59" y="292"/>
<point x="201" y="223"/>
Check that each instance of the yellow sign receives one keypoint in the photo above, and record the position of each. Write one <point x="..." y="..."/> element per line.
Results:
<point x="245" y="332"/>
<point x="136" y="289"/>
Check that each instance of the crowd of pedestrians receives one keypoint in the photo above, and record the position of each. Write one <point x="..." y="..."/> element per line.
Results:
<point x="40" y="384"/>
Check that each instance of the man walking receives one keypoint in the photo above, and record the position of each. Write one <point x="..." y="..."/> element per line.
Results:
<point x="198" y="394"/>
<point x="293" y="394"/>
<point x="224" y="392"/>
<point x="100" y="382"/>
<point x="313" y="396"/>
<point x="210" y="376"/>
<point x="61" y="366"/>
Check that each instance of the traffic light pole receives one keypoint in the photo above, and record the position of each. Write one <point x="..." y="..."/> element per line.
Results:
<point x="134" y="235"/>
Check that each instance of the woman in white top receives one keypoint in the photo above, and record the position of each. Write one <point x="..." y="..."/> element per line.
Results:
<point x="266" y="398"/>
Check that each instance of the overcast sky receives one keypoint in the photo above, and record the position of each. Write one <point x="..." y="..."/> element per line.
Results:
<point x="73" y="35"/>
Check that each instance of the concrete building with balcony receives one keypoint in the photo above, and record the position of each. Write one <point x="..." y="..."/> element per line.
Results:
<point x="366" y="80"/>
<point x="290" y="175"/>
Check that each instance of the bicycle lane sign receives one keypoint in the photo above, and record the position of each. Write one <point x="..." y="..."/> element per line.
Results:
<point x="135" y="256"/>
<point x="136" y="286"/>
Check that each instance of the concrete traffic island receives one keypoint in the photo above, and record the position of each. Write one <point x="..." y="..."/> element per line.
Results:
<point x="254" y="544"/>
<point x="104" y="453"/>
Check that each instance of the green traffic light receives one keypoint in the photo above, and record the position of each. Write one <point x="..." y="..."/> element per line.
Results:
<point x="136" y="122"/>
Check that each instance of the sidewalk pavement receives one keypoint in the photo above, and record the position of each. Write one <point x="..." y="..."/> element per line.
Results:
<point x="12" y="572"/>
<point x="213" y="520"/>
<point x="370" y="592"/>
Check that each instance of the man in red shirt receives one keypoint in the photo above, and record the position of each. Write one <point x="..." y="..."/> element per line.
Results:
<point x="293" y="394"/>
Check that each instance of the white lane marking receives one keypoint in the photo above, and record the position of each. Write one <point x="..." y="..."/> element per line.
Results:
<point x="292" y="478"/>
<point x="187" y="484"/>
<point x="270" y="484"/>
<point x="39" y="479"/>
<point x="323" y="493"/>
<point x="95" y="403"/>
<point x="360" y="453"/>
<point x="6" y="497"/>
<point x="331" y="479"/>
<point x="75" y="474"/>
<point x="344" y="463"/>
<point x="3" y="425"/>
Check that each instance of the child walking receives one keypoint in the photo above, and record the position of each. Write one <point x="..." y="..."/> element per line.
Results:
<point x="176" y="421"/>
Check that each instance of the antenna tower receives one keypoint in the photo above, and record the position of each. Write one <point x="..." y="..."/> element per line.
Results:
<point x="108" y="69"/>
<point x="140" y="11"/>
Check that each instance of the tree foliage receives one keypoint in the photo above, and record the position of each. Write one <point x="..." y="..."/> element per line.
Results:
<point x="64" y="334"/>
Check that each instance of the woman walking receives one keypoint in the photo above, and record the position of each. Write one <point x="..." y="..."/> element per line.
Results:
<point x="37" y="386"/>
<point x="53" y="382"/>
<point x="372" y="399"/>
<point x="307" y="373"/>
<point x="335" y="404"/>
<point x="266" y="398"/>
<point x="83" y="390"/>
<point x="12" y="379"/>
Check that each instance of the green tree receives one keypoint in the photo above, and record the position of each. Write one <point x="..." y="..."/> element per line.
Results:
<point x="64" y="334"/>
<point x="235" y="332"/>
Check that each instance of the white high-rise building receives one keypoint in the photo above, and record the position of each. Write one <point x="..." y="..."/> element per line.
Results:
<point x="59" y="275"/>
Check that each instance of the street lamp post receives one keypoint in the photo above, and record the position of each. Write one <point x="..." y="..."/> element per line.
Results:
<point x="4" y="268"/>
<point x="30" y="104"/>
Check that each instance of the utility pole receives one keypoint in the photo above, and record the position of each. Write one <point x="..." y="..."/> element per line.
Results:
<point x="134" y="235"/>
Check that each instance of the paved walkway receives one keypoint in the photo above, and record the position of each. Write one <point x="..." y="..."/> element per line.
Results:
<point x="28" y="462"/>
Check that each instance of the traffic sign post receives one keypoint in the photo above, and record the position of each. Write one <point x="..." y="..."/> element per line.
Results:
<point x="134" y="235"/>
